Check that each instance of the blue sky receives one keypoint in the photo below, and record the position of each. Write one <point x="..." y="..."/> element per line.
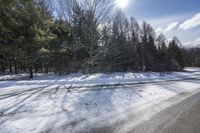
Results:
<point x="171" y="17"/>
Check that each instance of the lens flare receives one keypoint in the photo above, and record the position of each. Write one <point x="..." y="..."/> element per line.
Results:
<point x="122" y="3"/>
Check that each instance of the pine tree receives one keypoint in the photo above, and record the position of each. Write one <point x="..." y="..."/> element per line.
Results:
<point x="134" y="48"/>
<point x="149" y="48"/>
<point x="163" y="59"/>
<point x="175" y="52"/>
<point x="61" y="47"/>
<point x="25" y="25"/>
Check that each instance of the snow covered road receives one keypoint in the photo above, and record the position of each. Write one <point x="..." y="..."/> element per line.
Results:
<point x="54" y="107"/>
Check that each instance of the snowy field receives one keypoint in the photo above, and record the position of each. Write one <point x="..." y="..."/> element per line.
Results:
<point x="78" y="103"/>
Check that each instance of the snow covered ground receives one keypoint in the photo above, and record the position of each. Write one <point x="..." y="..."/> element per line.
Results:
<point x="75" y="103"/>
<point x="80" y="80"/>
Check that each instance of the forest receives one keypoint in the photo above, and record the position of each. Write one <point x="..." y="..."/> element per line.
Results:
<point x="87" y="36"/>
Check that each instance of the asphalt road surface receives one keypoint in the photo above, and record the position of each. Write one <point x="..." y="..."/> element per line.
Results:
<point x="183" y="117"/>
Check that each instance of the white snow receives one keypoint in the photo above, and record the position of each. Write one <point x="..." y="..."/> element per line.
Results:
<point x="70" y="103"/>
<point x="80" y="80"/>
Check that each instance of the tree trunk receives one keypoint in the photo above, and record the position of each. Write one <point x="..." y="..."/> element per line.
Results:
<point x="31" y="72"/>
<point x="46" y="68"/>
<point x="15" y="64"/>
<point x="2" y="68"/>
<point x="10" y="66"/>
<point x="36" y="69"/>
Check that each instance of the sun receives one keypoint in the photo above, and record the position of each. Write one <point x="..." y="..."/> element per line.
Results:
<point x="122" y="3"/>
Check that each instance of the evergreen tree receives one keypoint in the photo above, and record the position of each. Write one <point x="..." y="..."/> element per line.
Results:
<point x="149" y="48"/>
<point x="175" y="52"/>
<point x="83" y="37"/>
<point x="61" y="47"/>
<point x="163" y="59"/>
<point x="134" y="49"/>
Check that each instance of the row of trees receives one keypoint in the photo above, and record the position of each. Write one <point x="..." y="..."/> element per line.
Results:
<point x="87" y="36"/>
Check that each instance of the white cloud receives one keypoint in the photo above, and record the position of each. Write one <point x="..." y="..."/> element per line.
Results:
<point x="197" y="41"/>
<point x="158" y="30"/>
<point x="171" y="26"/>
<point x="191" y="23"/>
<point x="168" y="28"/>
<point x="192" y="43"/>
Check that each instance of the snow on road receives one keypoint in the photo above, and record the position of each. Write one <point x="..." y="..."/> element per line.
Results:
<point x="53" y="105"/>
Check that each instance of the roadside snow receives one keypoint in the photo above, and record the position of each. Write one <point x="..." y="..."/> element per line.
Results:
<point x="70" y="104"/>
<point x="80" y="80"/>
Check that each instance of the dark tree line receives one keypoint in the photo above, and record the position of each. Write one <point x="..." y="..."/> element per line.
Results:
<point x="83" y="37"/>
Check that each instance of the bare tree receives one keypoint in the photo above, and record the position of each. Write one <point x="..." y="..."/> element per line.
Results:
<point x="101" y="9"/>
